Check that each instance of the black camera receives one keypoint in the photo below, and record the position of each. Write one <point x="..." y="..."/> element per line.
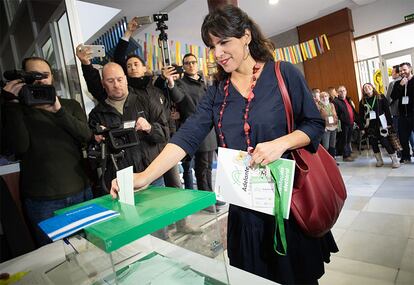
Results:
<point x="178" y="69"/>
<point x="117" y="137"/>
<point x="109" y="154"/>
<point x="161" y="17"/>
<point x="32" y="94"/>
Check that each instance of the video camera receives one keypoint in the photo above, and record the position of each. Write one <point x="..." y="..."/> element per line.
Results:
<point x="32" y="94"/>
<point x="117" y="138"/>
<point x="160" y="19"/>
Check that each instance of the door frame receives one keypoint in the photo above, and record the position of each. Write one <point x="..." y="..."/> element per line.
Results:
<point x="383" y="59"/>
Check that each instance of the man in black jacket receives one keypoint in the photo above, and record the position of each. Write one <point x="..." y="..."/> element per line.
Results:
<point x="123" y="105"/>
<point x="48" y="140"/>
<point x="187" y="93"/>
<point x="138" y="79"/>
<point x="404" y="92"/>
<point x="346" y="113"/>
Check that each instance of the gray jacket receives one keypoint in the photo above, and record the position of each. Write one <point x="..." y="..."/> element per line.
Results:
<point x="393" y="103"/>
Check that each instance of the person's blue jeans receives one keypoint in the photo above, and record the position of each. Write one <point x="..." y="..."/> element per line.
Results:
<point x="158" y="182"/>
<point x="40" y="210"/>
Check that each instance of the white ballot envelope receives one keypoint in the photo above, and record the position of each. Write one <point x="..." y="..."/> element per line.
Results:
<point x="238" y="184"/>
<point x="126" y="185"/>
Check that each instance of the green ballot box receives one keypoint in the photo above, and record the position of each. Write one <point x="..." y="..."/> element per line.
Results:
<point x="167" y="237"/>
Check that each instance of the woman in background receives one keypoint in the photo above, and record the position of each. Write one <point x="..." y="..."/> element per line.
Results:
<point x="374" y="106"/>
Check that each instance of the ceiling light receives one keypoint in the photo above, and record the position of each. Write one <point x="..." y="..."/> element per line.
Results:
<point x="273" y="2"/>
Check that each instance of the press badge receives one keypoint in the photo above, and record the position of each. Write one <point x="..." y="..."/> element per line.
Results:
<point x="372" y="115"/>
<point x="129" y="124"/>
<point x="405" y="100"/>
<point x="330" y="120"/>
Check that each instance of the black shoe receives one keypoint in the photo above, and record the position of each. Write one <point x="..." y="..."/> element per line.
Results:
<point x="220" y="203"/>
<point x="348" y="159"/>
<point x="405" y="160"/>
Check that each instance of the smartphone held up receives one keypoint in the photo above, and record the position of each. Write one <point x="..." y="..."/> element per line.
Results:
<point x="96" y="50"/>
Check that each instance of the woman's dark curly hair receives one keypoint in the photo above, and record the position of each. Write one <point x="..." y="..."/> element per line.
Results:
<point x="230" y="21"/>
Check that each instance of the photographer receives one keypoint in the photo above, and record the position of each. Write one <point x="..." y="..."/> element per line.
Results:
<point x="48" y="139"/>
<point x="122" y="105"/>
<point x="141" y="83"/>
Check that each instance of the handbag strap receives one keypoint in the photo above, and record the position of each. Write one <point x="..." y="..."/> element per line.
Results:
<point x="285" y="96"/>
<point x="279" y="221"/>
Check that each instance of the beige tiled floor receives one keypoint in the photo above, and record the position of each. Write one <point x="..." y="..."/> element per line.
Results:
<point x="375" y="232"/>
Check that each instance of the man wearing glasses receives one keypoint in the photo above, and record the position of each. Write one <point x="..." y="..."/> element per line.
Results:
<point x="187" y="93"/>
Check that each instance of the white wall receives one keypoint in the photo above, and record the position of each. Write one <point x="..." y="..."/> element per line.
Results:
<point x="380" y="15"/>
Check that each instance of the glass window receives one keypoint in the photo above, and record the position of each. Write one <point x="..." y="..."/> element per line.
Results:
<point x="11" y="7"/>
<point x="69" y="58"/>
<point x="367" y="48"/>
<point x="49" y="53"/>
<point x="367" y="70"/>
<point x="396" y="39"/>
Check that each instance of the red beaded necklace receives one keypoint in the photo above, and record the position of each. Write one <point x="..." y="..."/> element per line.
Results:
<point x="250" y="97"/>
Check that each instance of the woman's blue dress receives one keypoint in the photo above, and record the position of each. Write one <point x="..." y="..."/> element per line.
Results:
<point x="250" y="233"/>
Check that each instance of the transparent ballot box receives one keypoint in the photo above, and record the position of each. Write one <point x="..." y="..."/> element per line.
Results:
<point x="158" y="240"/>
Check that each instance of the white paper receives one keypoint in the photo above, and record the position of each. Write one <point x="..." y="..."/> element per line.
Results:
<point x="383" y="121"/>
<point x="126" y="186"/>
<point x="129" y="124"/>
<point x="405" y="100"/>
<point x="372" y="115"/>
<point x="240" y="185"/>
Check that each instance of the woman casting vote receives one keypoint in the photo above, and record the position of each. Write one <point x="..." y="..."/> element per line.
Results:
<point x="246" y="109"/>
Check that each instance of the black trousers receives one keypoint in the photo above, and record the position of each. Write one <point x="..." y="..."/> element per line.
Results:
<point x="172" y="178"/>
<point x="203" y="170"/>
<point x="373" y="140"/>
<point x="405" y="127"/>
<point x="344" y="141"/>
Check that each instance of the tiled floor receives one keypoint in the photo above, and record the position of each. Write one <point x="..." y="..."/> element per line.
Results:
<point x="375" y="231"/>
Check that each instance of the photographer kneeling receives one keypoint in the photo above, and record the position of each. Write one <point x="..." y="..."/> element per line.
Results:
<point x="48" y="139"/>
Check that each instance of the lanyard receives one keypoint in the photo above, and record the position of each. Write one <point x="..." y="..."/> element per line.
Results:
<point x="371" y="107"/>
<point x="328" y="109"/>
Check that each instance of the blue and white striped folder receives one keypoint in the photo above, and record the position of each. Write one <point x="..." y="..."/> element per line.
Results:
<point x="70" y="222"/>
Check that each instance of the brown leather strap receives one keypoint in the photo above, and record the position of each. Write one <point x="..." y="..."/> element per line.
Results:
<point x="285" y="97"/>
